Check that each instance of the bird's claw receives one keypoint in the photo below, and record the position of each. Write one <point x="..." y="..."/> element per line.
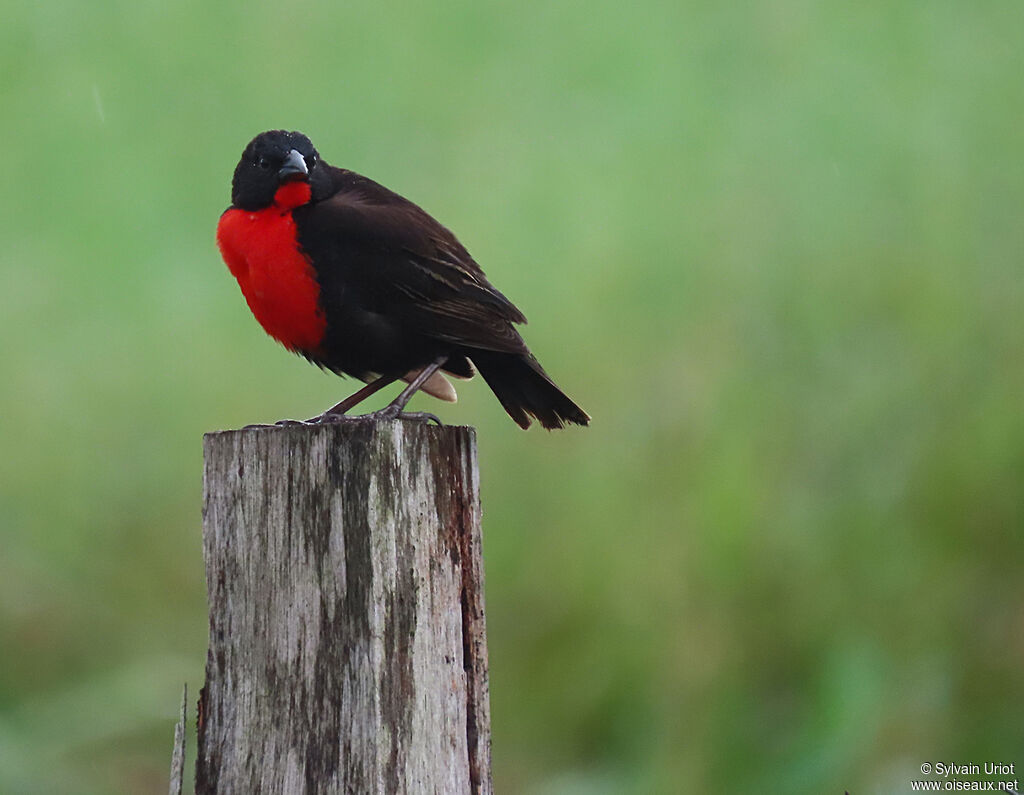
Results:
<point x="391" y="412"/>
<point x="388" y="413"/>
<point x="395" y="413"/>
<point x="282" y="424"/>
<point x="332" y="419"/>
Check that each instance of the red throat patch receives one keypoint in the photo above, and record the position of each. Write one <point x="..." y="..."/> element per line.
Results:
<point x="278" y="282"/>
<point x="292" y="194"/>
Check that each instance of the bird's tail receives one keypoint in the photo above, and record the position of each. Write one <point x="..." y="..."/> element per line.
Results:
<point x="525" y="390"/>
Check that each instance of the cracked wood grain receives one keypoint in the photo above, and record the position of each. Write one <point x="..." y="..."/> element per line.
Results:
<point x="178" y="757"/>
<point x="347" y="640"/>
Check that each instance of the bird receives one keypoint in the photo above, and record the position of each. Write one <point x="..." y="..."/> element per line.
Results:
<point x="364" y="283"/>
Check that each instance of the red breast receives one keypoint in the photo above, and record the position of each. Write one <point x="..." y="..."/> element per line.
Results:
<point x="276" y="277"/>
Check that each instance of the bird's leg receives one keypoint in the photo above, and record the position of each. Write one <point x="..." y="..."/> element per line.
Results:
<point x="394" y="411"/>
<point x="390" y="412"/>
<point x="337" y="413"/>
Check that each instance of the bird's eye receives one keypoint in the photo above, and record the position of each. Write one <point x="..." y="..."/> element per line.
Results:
<point x="311" y="161"/>
<point x="263" y="162"/>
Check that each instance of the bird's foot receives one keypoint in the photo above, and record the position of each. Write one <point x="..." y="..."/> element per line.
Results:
<point x="392" y="412"/>
<point x="327" y="418"/>
<point x="283" y="424"/>
<point x="278" y="424"/>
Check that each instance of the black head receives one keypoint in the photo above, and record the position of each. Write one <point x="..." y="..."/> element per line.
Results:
<point x="270" y="160"/>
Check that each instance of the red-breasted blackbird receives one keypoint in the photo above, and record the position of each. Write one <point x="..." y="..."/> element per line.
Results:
<point x="363" y="282"/>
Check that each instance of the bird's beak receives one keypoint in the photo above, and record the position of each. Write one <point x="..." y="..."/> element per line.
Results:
<point x="294" y="167"/>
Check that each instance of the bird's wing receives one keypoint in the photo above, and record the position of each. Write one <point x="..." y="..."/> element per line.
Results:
<point x="405" y="265"/>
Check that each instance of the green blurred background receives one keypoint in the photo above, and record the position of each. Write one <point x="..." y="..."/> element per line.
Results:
<point x="774" y="248"/>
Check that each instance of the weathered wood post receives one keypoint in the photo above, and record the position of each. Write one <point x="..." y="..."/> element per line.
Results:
<point x="347" y="641"/>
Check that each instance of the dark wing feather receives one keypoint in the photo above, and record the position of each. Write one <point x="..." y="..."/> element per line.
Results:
<point x="403" y="264"/>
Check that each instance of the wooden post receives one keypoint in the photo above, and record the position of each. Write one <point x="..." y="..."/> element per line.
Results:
<point x="347" y="642"/>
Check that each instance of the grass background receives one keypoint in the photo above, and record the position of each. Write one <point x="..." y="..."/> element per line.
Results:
<point x="774" y="248"/>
